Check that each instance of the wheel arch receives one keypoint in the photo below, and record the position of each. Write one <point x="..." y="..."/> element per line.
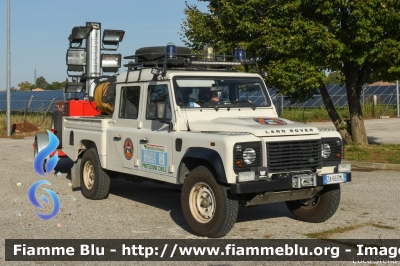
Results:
<point x="198" y="156"/>
<point x="85" y="145"/>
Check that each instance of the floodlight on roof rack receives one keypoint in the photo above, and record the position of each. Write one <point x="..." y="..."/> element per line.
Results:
<point x="78" y="35"/>
<point x="74" y="87"/>
<point x="76" y="60"/>
<point x="110" y="62"/>
<point x="76" y="57"/>
<point x="112" y="37"/>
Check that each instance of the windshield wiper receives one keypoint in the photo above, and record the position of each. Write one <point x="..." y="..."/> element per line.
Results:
<point x="246" y="103"/>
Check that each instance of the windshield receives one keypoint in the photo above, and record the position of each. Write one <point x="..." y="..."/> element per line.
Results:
<point x="212" y="92"/>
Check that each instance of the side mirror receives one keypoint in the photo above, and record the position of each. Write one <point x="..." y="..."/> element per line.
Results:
<point x="278" y="107"/>
<point x="161" y="111"/>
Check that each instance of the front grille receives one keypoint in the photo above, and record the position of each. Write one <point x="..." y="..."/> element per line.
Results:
<point x="293" y="156"/>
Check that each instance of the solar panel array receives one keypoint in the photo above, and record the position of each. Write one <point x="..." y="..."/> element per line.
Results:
<point x="385" y="95"/>
<point x="42" y="99"/>
<point x="39" y="103"/>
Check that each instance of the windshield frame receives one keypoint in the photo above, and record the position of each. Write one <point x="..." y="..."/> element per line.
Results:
<point x="255" y="95"/>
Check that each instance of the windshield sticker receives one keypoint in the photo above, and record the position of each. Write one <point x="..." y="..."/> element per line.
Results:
<point x="270" y="121"/>
<point x="128" y="149"/>
<point x="154" y="158"/>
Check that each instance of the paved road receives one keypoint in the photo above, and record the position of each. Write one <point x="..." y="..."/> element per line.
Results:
<point x="380" y="131"/>
<point x="147" y="211"/>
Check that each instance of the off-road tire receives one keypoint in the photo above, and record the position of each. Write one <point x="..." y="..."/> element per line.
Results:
<point x="56" y="124"/>
<point x="157" y="52"/>
<point x="321" y="208"/>
<point x="95" y="182"/>
<point x="214" y="215"/>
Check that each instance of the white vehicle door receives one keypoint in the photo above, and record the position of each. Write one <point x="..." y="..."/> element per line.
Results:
<point x="126" y="129"/>
<point x="155" y="138"/>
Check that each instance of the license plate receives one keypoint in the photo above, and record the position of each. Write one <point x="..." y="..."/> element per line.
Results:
<point x="335" y="178"/>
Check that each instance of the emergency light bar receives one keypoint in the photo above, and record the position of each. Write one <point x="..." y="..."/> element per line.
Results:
<point x="216" y="63"/>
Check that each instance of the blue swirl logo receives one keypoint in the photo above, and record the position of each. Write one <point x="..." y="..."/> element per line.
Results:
<point x="36" y="203"/>
<point x="43" y="154"/>
<point x="40" y="168"/>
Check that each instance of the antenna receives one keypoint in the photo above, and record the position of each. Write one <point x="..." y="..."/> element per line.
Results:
<point x="34" y="79"/>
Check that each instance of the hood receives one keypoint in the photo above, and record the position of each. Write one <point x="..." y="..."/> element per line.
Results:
<point x="260" y="127"/>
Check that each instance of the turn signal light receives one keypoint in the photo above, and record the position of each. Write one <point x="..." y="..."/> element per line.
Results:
<point x="238" y="163"/>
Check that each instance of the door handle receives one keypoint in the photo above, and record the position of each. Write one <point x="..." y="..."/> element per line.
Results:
<point x="117" y="138"/>
<point x="144" y="141"/>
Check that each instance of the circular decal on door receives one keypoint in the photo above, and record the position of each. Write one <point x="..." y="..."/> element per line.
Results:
<point x="270" y="121"/>
<point x="128" y="149"/>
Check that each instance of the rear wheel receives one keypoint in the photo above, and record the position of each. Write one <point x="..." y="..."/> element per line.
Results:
<point x="95" y="182"/>
<point x="205" y="204"/>
<point x="318" y="209"/>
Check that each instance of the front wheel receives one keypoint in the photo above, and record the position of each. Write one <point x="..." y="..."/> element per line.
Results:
<point x="206" y="206"/>
<point x="95" y="182"/>
<point x="318" y="209"/>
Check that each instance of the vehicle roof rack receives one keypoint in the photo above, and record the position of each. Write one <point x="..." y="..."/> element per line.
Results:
<point x="186" y="61"/>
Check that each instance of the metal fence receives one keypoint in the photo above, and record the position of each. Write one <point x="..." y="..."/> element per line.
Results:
<point x="40" y="101"/>
<point x="33" y="101"/>
<point x="384" y="95"/>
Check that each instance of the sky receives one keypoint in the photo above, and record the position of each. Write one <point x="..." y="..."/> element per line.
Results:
<point x="39" y="31"/>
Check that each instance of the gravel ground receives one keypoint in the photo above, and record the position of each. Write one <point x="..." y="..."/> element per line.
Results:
<point x="151" y="211"/>
<point x="379" y="131"/>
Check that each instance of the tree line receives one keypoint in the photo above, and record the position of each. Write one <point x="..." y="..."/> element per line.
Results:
<point x="298" y="42"/>
<point x="40" y="83"/>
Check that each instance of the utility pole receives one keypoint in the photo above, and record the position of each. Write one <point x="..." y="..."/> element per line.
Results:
<point x="8" y="72"/>
<point x="397" y="98"/>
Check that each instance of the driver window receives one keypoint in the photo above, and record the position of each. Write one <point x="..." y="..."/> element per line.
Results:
<point x="157" y="93"/>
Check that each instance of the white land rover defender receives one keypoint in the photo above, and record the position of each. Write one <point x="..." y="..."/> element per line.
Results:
<point x="198" y="123"/>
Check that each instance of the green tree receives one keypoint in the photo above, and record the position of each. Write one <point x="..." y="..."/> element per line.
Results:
<point x="24" y="86"/>
<point x="296" y="42"/>
<point x="335" y="78"/>
<point x="58" y="85"/>
<point x="55" y="85"/>
<point x="42" y="83"/>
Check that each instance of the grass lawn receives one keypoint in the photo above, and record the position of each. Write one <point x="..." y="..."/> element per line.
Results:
<point x="382" y="153"/>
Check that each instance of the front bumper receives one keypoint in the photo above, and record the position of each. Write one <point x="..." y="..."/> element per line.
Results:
<point x="280" y="184"/>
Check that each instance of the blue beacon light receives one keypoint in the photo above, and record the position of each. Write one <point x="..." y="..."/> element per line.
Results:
<point x="240" y="54"/>
<point x="170" y="51"/>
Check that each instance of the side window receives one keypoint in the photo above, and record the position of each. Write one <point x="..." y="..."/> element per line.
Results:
<point x="157" y="93"/>
<point x="129" y="104"/>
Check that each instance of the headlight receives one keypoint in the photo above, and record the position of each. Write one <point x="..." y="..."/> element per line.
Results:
<point x="246" y="156"/>
<point x="249" y="156"/>
<point x="326" y="150"/>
